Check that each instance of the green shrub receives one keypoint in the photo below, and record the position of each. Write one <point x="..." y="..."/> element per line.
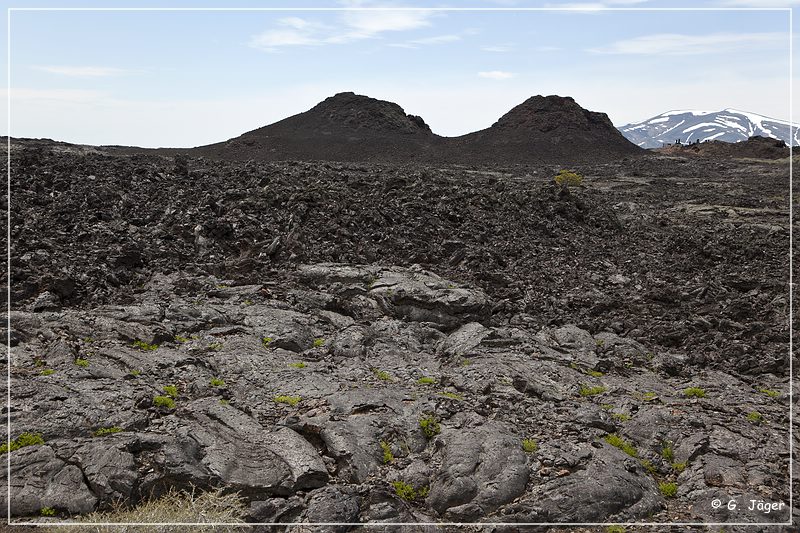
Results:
<point x="133" y="372"/>
<point x="407" y="492"/>
<point x="650" y="467"/>
<point x="298" y="365"/>
<point x="649" y="396"/>
<point x="215" y="346"/>
<point x="430" y="427"/>
<point x="466" y="362"/>
<point x="144" y="346"/>
<point x="265" y="341"/>
<point x="223" y="401"/>
<point x="694" y="392"/>
<point x="47" y="372"/>
<point x="107" y="431"/>
<point x="451" y="395"/>
<point x="591" y="391"/>
<point x="425" y="380"/>
<point x="679" y="467"/>
<point x="171" y="391"/>
<point x="619" y="442"/>
<point x="164" y="401"/>
<point x="25" y="439"/>
<point x="529" y="445"/>
<point x="180" y="339"/>
<point x="595" y="373"/>
<point x="769" y="392"/>
<point x="47" y="511"/>
<point x="669" y="490"/>
<point x="83" y="363"/>
<point x="565" y="178"/>
<point x="216" y="382"/>
<point x="288" y="400"/>
<point x="381" y="375"/>
<point x="318" y="343"/>
<point x="622" y="417"/>
<point x="615" y="529"/>
<point x="388" y="457"/>
<point x="755" y="417"/>
<point x="667" y="452"/>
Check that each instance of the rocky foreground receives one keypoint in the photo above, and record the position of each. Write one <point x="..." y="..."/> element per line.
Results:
<point x="352" y="343"/>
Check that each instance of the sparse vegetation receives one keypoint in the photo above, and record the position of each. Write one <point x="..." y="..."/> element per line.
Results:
<point x="668" y="490"/>
<point x="215" y="346"/>
<point x="407" y="492"/>
<point x="771" y="393"/>
<point x="47" y="372"/>
<point x="180" y="339"/>
<point x="466" y="362"/>
<point x="223" y="401"/>
<point x="144" y="346"/>
<point x="216" y="382"/>
<point x="591" y="391"/>
<point x="529" y="445"/>
<point x="164" y="401"/>
<point x="25" y="439"/>
<point x="266" y="341"/>
<point x="595" y="373"/>
<point x="694" y="392"/>
<point x="425" y="380"/>
<point x="288" y="400"/>
<point x="649" y="396"/>
<point x="102" y="432"/>
<point x="667" y="452"/>
<point x="300" y="364"/>
<point x="319" y="343"/>
<point x="388" y="457"/>
<point x="83" y="363"/>
<point x="650" y="467"/>
<point x="615" y="529"/>
<point x="381" y="375"/>
<point x="755" y="417"/>
<point x="618" y="442"/>
<point x="430" y="427"/>
<point x="47" y="511"/>
<point x="451" y="395"/>
<point x="566" y="178"/>
<point x="622" y="417"/>
<point x="135" y="373"/>
<point x="171" y="391"/>
<point x="679" y="467"/>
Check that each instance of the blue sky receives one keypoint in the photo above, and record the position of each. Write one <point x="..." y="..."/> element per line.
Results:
<point x="161" y="78"/>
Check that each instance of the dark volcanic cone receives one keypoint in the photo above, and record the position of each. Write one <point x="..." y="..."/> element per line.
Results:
<point x="546" y="129"/>
<point x="344" y="127"/>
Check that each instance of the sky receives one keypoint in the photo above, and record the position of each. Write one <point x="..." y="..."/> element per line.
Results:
<point x="188" y="78"/>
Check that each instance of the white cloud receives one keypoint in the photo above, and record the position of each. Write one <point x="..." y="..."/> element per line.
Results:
<point x="680" y="44"/>
<point x="496" y="75"/>
<point x="500" y="48"/>
<point x="437" y="39"/>
<point x="352" y="26"/>
<point x="82" y="72"/>
<point x="596" y="6"/>
<point x="759" y="3"/>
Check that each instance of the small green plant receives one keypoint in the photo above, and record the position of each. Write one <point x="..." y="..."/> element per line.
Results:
<point x="668" y="490"/>
<point x="215" y="346"/>
<point x="164" y="401"/>
<point x="25" y="439"/>
<point x="466" y="362"/>
<point x="650" y="467"/>
<point x="771" y="393"/>
<point x="622" y="417"/>
<point x="649" y="396"/>
<point x="102" y="432"/>
<point x="755" y="417"/>
<point x="223" y="401"/>
<point x="388" y="457"/>
<point x="38" y="363"/>
<point x="288" y="400"/>
<point x="430" y="427"/>
<point x="694" y="392"/>
<point x="171" y="391"/>
<point x="216" y="382"/>
<point x="591" y="391"/>
<point x="407" y="492"/>
<point x="265" y="341"/>
<point x="615" y="529"/>
<point x="566" y="178"/>
<point x="301" y="364"/>
<point x="529" y="445"/>
<point x="135" y="373"/>
<point x="599" y="343"/>
<point x="607" y="406"/>
<point x="382" y="375"/>
<point x="667" y="452"/>
<point x="248" y="302"/>
<point x="425" y="380"/>
<point x="619" y="442"/>
<point x="452" y="395"/>
<point x="47" y="372"/>
<point x="83" y="363"/>
<point x="180" y="339"/>
<point x="595" y="373"/>
<point x="318" y="343"/>
<point x="679" y="467"/>
<point x="144" y="346"/>
<point x="47" y="511"/>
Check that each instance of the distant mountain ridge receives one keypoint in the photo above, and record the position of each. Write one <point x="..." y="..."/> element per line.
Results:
<point x="729" y="125"/>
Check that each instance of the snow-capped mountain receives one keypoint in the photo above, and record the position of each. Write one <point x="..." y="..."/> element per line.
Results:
<point x="728" y="125"/>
